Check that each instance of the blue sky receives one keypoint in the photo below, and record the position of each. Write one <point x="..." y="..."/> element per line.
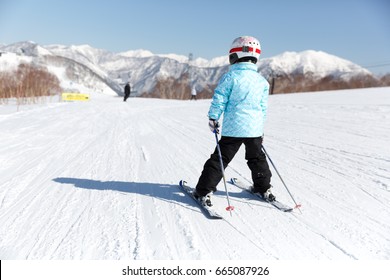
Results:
<point x="357" y="30"/>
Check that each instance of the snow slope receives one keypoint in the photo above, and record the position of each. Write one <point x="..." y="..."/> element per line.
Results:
<point x="98" y="180"/>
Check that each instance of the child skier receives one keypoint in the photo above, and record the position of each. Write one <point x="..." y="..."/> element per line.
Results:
<point x="242" y="96"/>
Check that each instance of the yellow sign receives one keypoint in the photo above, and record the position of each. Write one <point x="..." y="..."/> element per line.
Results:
<point x="75" y="97"/>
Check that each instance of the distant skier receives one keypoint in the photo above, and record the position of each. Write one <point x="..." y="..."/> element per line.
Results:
<point x="193" y="93"/>
<point x="242" y="96"/>
<point x="127" y="91"/>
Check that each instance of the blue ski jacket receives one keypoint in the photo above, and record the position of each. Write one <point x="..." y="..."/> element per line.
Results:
<point x="242" y="97"/>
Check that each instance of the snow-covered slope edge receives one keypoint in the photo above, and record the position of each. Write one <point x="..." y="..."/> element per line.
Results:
<point x="98" y="180"/>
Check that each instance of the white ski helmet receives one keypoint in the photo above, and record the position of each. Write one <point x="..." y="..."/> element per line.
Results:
<point x="245" y="46"/>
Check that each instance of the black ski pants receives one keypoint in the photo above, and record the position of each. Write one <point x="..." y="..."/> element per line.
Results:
<point x="256" y="160"/>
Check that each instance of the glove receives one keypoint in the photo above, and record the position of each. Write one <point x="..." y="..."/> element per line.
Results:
<point x="214" y="126"/>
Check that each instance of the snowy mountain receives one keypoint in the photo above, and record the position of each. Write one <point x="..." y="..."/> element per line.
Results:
<point x="89" y="69"/>
<point x="98" y="180"/>
<point x="75" y="67"/>
<point x="316" y="63"/>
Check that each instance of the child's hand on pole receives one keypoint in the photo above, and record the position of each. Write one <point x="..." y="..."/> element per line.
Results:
<point x="214" y="126"/>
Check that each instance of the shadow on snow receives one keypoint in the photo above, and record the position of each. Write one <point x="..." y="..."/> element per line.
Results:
<point x="165" y="192"/>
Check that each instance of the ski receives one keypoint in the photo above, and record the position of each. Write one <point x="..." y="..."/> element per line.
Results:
<point x="208" y="211"/>
<point x="277" y="204"/>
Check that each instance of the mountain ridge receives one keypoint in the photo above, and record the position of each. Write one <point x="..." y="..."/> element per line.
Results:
<point x="146" y="70"/>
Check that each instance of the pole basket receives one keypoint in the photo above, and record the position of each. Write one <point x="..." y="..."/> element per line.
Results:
<point x="230" y="208"/>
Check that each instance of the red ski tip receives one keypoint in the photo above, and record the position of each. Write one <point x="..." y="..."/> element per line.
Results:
<point x="230" y="208"/>
<point x="298" y="206"/>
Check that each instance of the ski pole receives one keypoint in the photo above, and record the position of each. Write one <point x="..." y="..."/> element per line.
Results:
<point x="229" y="208"/>
<point x="281" y="179"/>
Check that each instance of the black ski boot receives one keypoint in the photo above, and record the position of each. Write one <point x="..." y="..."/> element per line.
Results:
<point x="204" y="200"/>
